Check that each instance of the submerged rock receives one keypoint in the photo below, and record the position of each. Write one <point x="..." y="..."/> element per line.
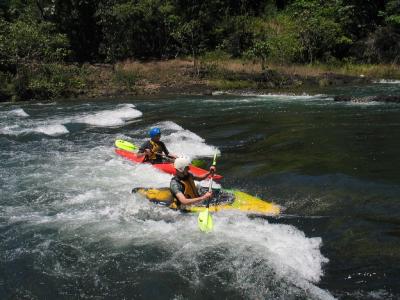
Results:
<point x="379" y="98"/>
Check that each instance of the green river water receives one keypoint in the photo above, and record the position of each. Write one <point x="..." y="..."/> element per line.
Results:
<point x="71" y="229"/>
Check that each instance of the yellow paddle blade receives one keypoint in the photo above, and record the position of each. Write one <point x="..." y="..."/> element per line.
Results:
<point x="205" y="221"/>
<point x="125" y="145"/>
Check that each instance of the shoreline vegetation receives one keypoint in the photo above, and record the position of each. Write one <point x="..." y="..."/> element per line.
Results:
<point x="97" y="48"/>
<point x="184" y="77"/>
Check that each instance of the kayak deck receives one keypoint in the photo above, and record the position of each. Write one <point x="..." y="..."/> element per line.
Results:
<point x="223" y="200"/>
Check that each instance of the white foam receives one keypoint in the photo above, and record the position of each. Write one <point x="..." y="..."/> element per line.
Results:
<point x="183" y="142"/>
<point x="355" y="103"/>
<point x="115" y="117"/>
<point x="292" y="96"/>
<point x="279" y="242"/>
<point x="273" y="95"/>
<point x="87" y="198"/>
<point x="19" y="112"/>
<point x="46" y="104"/>
<point x="10" y="130"/>
<point x="270" y="250"/>
<point x="169" y="125"/>
<point x="388" y="81"/>
<point x="88" y="195"/>
<point x="52" y="130"/>
<point x="253" y="97"/>
<point x="218" y="93"/>
<point x="55" y="126"/>
<point x="269" y="95"/>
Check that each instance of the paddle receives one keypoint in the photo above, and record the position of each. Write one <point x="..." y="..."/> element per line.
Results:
<point x="127" y="146"/>
<point x="204" y="220"/>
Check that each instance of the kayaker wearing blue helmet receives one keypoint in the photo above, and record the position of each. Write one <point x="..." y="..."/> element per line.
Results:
<point x="155" y="150"/>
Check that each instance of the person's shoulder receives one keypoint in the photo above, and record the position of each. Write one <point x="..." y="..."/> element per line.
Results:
<point x="146" y="143"/>
<point x="175" y="185"/>
<point x="174" y="178"/>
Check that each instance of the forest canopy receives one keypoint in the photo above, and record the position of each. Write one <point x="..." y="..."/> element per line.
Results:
<point x="301" y="31"/>
<point x="38" y="38"/>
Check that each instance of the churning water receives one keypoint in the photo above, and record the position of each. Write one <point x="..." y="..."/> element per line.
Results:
<point x="70" y="228"/>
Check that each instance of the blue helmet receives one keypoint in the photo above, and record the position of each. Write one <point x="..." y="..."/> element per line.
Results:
<point x="154" y="131"/>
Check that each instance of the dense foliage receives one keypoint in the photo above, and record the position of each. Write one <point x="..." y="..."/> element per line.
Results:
<point x="283" y="31"/>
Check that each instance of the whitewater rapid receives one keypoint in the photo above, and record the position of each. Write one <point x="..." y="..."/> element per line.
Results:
<point x="62" y="184"/>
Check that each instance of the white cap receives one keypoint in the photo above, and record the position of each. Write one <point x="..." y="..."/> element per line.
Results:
<point x="181" y="163"/>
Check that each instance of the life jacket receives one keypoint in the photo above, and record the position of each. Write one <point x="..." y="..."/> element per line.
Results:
<point x="156" y="148"/>
<point x="190" y="192"/>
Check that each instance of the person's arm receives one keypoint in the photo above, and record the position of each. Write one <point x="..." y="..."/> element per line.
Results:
<point x="177" y="190"/>
<point x="187" y="201"/>
<point x="213" y="169"/>
<point x="144" y="153"/>
<point x="144" y="150"/>
<point x="165" y="150"/>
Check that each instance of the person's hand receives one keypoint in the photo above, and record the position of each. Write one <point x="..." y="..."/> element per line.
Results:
<point x="147" y="151"/>
<point x="213" y="169"/>
<point x="171" y="157"/>
<point x="207" y="195"/>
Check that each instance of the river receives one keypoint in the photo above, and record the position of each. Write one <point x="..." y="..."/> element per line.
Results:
<point x="70" y="228"/>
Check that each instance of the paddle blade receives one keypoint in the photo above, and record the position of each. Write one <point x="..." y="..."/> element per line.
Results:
<point x="125" y="145"/>
<point x="205" y="221"/>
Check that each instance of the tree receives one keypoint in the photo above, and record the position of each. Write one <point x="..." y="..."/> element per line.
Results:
<point x="359" y="17"/>
<point x="137" y="30"/>
<point x="261" y="51"/>
<point x="236" y="34"/>
<point x="392" y="14"/>
<point x="319" y="32"/>
<point x="23" y="42"/>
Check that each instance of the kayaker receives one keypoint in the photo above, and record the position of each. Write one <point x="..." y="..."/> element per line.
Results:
<point x="155" y="150"/>
<point x="182" y="184"/>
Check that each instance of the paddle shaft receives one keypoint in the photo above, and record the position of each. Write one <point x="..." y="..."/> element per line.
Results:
<point x="210" y="190"/>
<point x="211" y="180"/>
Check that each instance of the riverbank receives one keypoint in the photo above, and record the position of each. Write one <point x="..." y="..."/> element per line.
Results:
<point x="180" y="76"/>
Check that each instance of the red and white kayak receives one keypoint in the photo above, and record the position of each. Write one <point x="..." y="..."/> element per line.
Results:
<point x="166" y="167"/>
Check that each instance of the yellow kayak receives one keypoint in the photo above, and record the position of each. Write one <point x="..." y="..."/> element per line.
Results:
<point x="223" y="200"/>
